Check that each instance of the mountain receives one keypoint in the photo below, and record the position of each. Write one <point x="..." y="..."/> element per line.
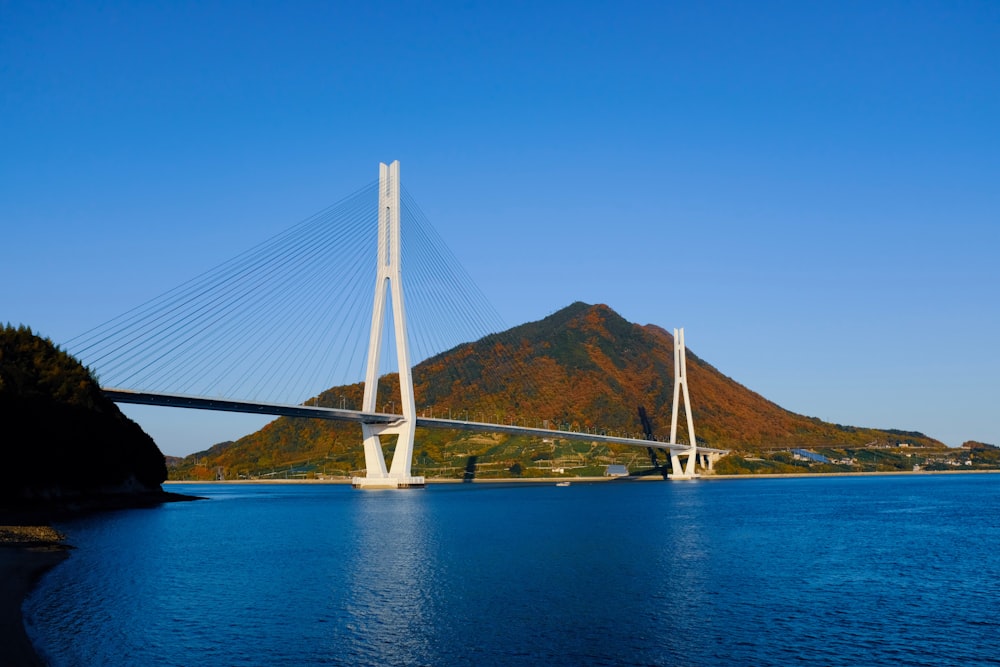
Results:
<point x="62" y="439"/>
<point x="583" y="367"/>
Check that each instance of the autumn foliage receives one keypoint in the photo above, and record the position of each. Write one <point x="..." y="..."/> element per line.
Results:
<point x="581" y="368"/>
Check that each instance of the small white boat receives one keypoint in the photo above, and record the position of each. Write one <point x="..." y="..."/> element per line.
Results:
<point x="562" y="483"/>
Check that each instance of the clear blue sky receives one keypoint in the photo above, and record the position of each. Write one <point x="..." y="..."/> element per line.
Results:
<point x="811" y="189"/>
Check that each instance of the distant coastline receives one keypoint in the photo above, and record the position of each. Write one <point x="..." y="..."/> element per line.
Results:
<point x="650" y="478"/>
<point x="880" y="473"/>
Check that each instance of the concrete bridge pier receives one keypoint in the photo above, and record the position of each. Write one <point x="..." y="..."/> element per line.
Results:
<point x="687" y="471"/>
<point x="389" y="285"/>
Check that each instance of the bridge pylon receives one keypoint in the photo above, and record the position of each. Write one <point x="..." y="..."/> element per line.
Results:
<point x="389" y="285"/>
<point x="686" y="471"/>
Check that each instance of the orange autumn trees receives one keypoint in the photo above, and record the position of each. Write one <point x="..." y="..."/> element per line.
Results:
<point x="581" y="368"/>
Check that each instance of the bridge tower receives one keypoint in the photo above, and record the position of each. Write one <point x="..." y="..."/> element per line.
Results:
<point x="388" y="285"/>
<point x="680" y="385"/>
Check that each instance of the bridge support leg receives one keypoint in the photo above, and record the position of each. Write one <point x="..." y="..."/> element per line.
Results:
<point x="388" y="286"/>
<point x="686" y="471"/>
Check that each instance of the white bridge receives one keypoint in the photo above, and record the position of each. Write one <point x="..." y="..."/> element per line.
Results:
<point x="389" y="294"/>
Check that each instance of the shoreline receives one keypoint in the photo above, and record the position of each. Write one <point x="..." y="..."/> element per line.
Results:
<point x="880" y="473"/>
<point x="26" y="554"/>
<point x="644" y="478"/>
<point x="433" y="481"/>
<point x="30" y="547"/>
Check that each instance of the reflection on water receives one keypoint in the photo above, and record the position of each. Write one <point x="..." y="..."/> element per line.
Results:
<point x="827" y="571"/>
<point x="389" y="597"/>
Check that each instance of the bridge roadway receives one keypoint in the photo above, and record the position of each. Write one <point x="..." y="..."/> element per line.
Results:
<point x="335" y="414"/>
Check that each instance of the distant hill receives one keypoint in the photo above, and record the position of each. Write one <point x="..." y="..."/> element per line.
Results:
<point x="975" y="444"/>
<point x="583" y="367"/>
<point x="61" y="437"/>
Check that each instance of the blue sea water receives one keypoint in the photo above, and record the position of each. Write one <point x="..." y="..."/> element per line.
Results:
<point x="817" y="571"/>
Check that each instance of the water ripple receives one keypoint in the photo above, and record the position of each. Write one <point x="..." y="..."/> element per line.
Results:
<point x="887" y="571"/>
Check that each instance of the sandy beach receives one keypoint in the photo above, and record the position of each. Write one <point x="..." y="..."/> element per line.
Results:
<point x="26" y="553"/>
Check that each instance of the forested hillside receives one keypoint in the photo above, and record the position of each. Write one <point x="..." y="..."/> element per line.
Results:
<point x="582" y="368"/>
<point x="61" y="436"/>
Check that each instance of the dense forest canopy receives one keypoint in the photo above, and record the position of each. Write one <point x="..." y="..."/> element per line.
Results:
<point x="61" y="436"/>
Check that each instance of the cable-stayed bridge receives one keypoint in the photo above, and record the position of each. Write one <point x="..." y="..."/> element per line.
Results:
<point x="243" y="336"/>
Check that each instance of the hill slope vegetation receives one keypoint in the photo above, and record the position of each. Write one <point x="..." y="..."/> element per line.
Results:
<point x="61" y="437"/>
<point x="582" y="368"/>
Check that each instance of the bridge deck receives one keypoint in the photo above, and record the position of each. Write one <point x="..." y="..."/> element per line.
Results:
<point x="335" y="414"/>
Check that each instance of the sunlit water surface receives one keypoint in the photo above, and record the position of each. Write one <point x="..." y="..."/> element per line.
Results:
<point x="834" y="571"/>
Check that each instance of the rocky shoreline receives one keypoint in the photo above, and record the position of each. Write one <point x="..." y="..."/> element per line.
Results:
<point x="26" y="553"/>
<point x="30" y="547"/>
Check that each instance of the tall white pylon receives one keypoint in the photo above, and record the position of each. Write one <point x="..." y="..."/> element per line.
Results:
<point x="681" y="384"/>
<point x="388" y="282"/>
